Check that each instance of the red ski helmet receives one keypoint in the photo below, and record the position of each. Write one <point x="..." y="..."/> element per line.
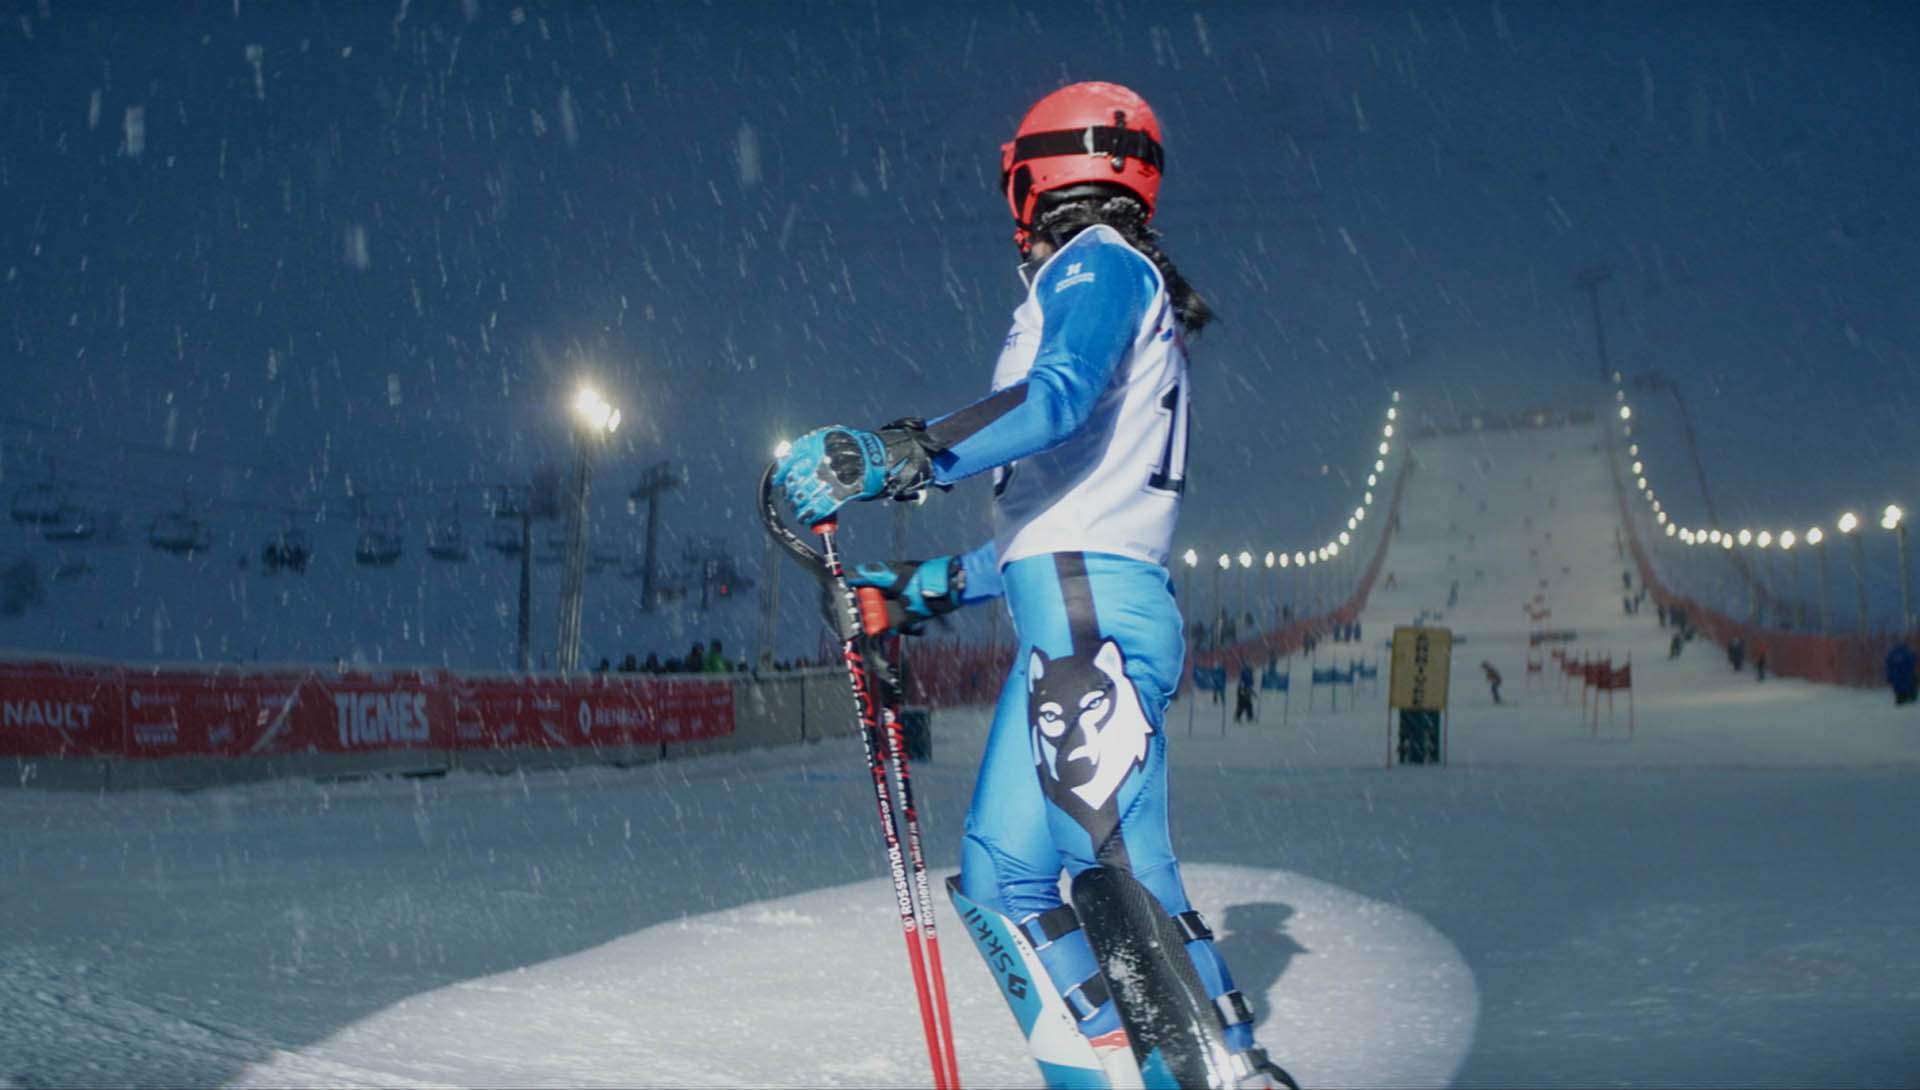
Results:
<point x="1083" y="133"/>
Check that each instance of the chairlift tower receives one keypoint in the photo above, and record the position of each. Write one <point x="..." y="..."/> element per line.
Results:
<point x="657" y="479"/>
<point x="1589" y="281"/>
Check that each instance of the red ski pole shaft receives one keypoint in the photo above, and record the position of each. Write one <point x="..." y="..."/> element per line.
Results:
<point x="922" y="889"/>
<point x="876" y="732"/>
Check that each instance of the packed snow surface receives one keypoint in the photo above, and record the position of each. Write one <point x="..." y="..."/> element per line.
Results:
<point x="1722" y="895"/>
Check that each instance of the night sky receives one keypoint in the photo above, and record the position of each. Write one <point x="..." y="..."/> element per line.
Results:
<point x="351" y="259"/>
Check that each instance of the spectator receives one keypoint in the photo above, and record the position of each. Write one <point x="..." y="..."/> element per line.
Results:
<point x="1760" y="659"/>
<point x="1736" y="654"/>
<point x="630" y="664"/>
<point x="605" y="665"/>
<point x="1493" y="678"/>
<point x="653" y="664"/>
<point x="1674" y="645"/>
<point x="716" y="660"/>
<point x="696" y="659"/>
<point x="1900" y="674"/>
<point x="1243" y="696"/>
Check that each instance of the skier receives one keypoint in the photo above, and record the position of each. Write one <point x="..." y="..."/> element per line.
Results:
<point x="1243" y="696"/>
<point x="1085" y="432"/>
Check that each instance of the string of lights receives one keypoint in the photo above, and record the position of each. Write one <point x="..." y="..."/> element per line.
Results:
<point x="1307" y="564"/>
<point x="1742" y="545"/>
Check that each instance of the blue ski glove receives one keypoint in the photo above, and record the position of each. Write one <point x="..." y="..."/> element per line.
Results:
<point x="828" y="468"/>
<point x="916" y="591"/>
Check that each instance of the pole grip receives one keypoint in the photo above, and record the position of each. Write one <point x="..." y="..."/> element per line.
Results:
<point x="873" y="611"/>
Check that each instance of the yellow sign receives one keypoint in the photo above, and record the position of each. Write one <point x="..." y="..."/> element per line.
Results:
<point x="1421" y="659"/>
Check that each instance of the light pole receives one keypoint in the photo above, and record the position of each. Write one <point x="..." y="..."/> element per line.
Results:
<point x="1293" y="584"/>
<point x="1848" y="523"/>
<point x="1769" y="603"/>
<point x="1726" y="599"/>
<point x="1787" y="541"/>
<point x="1220" y="612"/>
<point x="594" y="420"/>
<point x="1219" y="607"/>
<point x="1273" y="592"/>
<point x="1246" y="564"/>
<point x="1815" y="537"/>
<point x="1186" y="634"/>
<point x="1753" y="595"/>
<point x="1896" y="520"/>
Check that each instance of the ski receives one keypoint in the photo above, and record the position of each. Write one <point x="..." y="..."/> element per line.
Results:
<point x="1176" y="1032"/>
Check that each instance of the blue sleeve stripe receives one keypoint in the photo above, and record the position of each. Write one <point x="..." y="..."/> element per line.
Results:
<point x="982" y="566"/>
<point x="1092" y="299"/>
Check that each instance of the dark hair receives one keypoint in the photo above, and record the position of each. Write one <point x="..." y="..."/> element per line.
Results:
<point x="1066" y="212"/>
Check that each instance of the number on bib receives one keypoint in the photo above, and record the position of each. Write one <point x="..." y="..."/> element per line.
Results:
<point x="1170" y="474"/>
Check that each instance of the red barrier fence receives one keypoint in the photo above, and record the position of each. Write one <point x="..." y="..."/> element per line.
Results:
<point x="66" y="709"/>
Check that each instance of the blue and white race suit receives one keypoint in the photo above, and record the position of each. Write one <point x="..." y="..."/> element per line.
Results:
<point x="1086" y="433"/>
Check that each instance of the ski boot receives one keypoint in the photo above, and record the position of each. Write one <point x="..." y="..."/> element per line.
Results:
<point x="1252" y="1070"/>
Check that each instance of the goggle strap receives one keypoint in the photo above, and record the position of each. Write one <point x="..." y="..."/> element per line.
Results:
<point x="1106" y="140"/>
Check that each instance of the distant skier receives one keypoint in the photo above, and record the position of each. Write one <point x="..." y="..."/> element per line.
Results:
<point x="1493" y="678"/>
<point x="1085" y="433"/>
<point x="1900" y="673"/>
<point x="1243" y="696"/>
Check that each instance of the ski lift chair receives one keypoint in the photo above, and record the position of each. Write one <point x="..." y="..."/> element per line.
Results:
<point x="286" y="549"/>
<point x="177" y="533"/>
<point x="37" y="505"/>
<point x="379" y="548"/>
<point x="447" y="541"/>
<point x="504" y="538"/>
<point x="69" y="523"/>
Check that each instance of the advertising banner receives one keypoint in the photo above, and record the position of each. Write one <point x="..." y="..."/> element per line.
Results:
<point x="695" y="709"/>
<point x="349" y="713"/>
<point x="50" y="709"/>
<point x="206" y="715"/>
<point x="53" y="709"/>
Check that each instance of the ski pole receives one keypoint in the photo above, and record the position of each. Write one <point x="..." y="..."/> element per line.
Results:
<point x="922" y="890"/>
<point x="886" y="757"/>
<point x="879" y="733"/>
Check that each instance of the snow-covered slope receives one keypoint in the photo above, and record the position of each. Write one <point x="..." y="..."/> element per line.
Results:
<point x="1723" y="897"/>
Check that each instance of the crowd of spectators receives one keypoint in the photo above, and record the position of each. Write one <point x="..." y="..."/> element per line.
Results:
<point x="701" y="658"/>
